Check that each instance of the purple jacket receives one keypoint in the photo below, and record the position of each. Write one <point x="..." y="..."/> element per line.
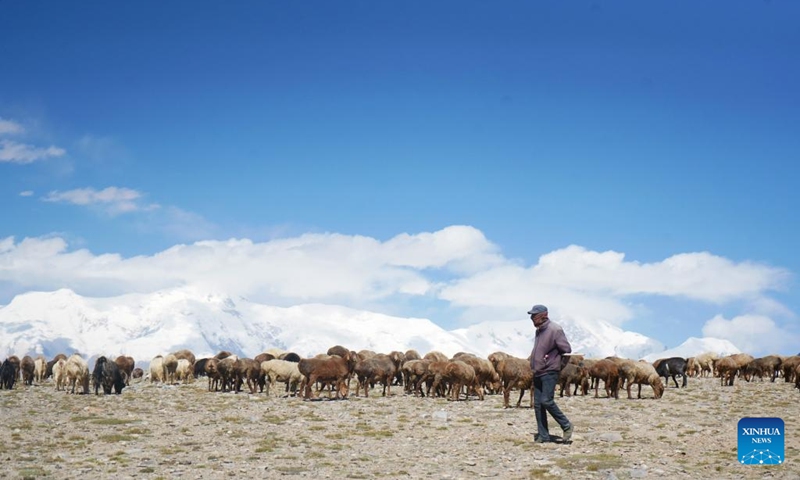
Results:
<point x="550" y="343"/>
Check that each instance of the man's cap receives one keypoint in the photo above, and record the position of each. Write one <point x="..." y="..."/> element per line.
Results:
<point x="537" y="309"/>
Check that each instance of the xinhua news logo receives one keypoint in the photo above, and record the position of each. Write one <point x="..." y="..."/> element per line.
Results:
<point x="761" y="441"/>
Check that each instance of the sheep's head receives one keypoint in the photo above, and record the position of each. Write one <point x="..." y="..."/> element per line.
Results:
<point x="658" y="385"/>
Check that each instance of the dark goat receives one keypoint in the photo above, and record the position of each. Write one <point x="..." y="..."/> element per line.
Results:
<point x="671" y="367"/>
<point x="8" y="375"/>
<point x="27" y="368"/>
<point x="108" y="375"/>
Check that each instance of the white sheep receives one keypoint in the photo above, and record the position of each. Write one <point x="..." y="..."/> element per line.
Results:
<point x="157" y="371"/>
<point x="77" y="373"/>
<point x="60" y="373"/>
<point x="282" y="371"/>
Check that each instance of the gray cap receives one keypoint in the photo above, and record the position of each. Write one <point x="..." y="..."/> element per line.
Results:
<point x="537" y="309"/>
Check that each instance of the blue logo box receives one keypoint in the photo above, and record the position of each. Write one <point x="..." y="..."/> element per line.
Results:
<point x="761" y="441"/>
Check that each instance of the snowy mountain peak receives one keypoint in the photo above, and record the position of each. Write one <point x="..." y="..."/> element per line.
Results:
<point x="146" y="325"/>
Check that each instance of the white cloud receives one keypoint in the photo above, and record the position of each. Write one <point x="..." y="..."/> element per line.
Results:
<point x="26" y="193"/>
<point x="10" y="127"/>
<point x="101" y="149"/>
<point x="15" y="152"/>
<point x="357" y="270"/>
<point x="755" y="334"/>
<point x="114" y="200"/>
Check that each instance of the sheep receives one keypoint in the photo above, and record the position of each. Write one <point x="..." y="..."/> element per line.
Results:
<point x="726" y="370"/>
<point x="705" y="363"/>
<point x="8" y="375"/>
<point x="185" y="354"/>
<point x="77" y="373"/>
<point x="671" y="367"/>
<point x="276" y="370"/>
<point x="126" y="365"/>
<point x="484" y="370"/>
<point x="576" y="375"/>
<point x="460" y="375"/>
<point x="137" y="373"/>
<point x="15" y="363"/>
<point x="338" y="350"/>
<point x="692" y="367"/>
<point x="290" y="357"/>
<point x="212" y="372"/>
<point x="157" y="371"/>
<point x="626" y="372"/>
<point x="227" y="372"/>
<point x="60" y="373"/>
<point x="514" y="373"/>
<point x="380" y="368"/>
<point x="414" y="373"/>
<point x="411" y="355"/>
<point x="789" y="367"/>
<point x="644" y="373"/>
<point x="742" y="359"/>
<point x="27" y="368"/>
<point x="170" y="367"/>
<point x="107" y="374"/>
<point x="49" y="371"/>
<point x="247" y="370"/>
<point x="435" y="356"/>
<point x="607" y="371"/>
<point x="39" y="369"/>
<point x="335" y="369"/>
<point x="435" y="380"/>
<point x="769" y="365"/>
<point x="263" y="357"/>
<point x="185" y="371"/>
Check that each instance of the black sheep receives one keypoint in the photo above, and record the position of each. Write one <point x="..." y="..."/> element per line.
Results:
<point x="108" y="375"/>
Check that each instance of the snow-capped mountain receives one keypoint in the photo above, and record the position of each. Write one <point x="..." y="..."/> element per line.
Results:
<point x="146" y="325"/>
<point x="693" y="346"/>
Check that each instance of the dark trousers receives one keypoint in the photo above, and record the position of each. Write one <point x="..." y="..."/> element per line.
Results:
<point x="544" y="390"/>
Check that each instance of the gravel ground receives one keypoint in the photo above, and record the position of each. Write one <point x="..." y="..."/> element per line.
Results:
<point x="156" y="431"/>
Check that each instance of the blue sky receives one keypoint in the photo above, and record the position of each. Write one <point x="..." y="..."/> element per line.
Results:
<point x="663" y="132"/>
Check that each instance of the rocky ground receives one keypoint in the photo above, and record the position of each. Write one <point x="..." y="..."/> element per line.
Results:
<point x="156" y="431"/>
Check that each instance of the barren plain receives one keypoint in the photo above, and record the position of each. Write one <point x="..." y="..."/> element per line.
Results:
<point x="154" y="431"/>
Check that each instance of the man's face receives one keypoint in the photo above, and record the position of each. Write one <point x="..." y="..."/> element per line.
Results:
<point x="538" y="319"/>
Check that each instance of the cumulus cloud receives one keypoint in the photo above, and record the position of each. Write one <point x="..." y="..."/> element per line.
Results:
<point x="756" y="334"/>
<point x="113" y="200"/>
<point x="357" y="271"/>
<point x="10" y="127"/>
<point x="15" y="152"/>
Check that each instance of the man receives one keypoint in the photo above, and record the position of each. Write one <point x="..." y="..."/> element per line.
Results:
<point x="548" y="347"/>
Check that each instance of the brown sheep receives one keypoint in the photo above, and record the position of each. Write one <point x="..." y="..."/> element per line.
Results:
<point x="411" y="355"/>
<point x="185" y="354"/>
<point x="126" y="365"/>
<point x="334" y="369"/>
<point x="484" y="370"/>
<point x="49" y="371"/>
<point x="414" y="373"/>
<point x="211" y="371"/>
<point x="789" y="367"/>
<point x="264" y="357"/>
<point x="769" y="365"/>
<point x="576" y="375"/>
<point x="247" y="370"/>
<point x="380" y="368"/>
<point x="726" y="370"/>
<point x="461" y="375"/>
<point x="227" y="372"/>
<point x="435" y="356"/>
<point x="170" y="368"/>
<point x="514" y="373"/>
<point x="27" y="369"/>
<point x="626" y="372"/>
<point x="435" y="379"/>
<point x="338" y="350"/>
<point x="607" y="371"/>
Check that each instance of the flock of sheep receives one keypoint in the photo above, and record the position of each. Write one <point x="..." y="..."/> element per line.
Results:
<point x="434" y="374"/>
